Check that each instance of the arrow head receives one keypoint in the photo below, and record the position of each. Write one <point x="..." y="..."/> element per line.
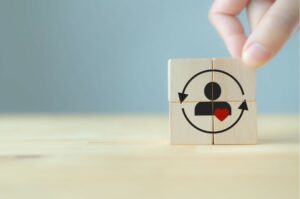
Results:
<point x="243" y="106"/>
<point x="182" y="97"/>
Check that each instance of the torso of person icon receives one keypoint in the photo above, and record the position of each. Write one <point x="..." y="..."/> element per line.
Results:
<point x="212" y="91"/>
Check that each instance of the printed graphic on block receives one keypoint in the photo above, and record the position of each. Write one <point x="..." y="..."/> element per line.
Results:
<point x="209" y="99"/>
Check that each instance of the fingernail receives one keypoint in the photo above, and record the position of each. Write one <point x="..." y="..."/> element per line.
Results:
<point x="256" y="55"/>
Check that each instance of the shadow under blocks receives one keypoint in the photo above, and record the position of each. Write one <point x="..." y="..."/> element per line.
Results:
<point x="212" y="101"/>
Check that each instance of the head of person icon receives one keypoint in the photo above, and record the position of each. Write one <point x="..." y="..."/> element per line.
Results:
<point x="212" y="92"/>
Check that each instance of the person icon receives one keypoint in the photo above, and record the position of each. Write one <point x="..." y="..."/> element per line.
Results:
<point x="212" y="91"/>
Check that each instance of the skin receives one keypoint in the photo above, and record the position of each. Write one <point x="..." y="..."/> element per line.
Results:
<point x="272" y="22"/>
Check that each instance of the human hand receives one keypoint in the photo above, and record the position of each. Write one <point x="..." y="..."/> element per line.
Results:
<point x="271" y="22"/>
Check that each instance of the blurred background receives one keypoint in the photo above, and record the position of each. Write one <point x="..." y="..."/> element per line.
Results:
<point x="111" y="56"/>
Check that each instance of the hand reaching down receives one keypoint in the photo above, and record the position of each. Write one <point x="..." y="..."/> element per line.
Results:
<point x="272" y="23"/>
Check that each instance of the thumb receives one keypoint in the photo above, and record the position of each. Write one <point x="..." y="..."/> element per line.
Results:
<point x="271" y="33"/>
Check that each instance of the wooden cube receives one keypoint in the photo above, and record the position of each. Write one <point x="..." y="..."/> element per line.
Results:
<point x="182" y="131"/>
<point x="243" y="132"/>
<point x="181" y="71"/>
<point x="239" y="77"/>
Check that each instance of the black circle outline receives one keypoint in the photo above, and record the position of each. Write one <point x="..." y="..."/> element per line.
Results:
<point x="223" y="130"/>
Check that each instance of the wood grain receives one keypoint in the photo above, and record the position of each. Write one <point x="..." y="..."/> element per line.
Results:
<point x="129" y="156"/>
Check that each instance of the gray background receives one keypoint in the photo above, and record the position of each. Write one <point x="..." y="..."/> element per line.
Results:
<point x="111" y="56"/>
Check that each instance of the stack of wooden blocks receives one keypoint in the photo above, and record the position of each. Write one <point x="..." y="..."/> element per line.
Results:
<point x="212" y="101"/>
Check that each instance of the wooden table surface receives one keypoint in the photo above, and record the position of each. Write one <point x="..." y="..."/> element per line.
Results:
<point x="129" y="156"/>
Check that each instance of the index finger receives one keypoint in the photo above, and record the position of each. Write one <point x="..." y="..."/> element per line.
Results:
<point x="223" y="15"/>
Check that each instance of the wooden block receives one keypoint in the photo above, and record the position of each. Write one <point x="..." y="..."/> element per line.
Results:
<point x="180" y="71"/>
<point x="243" y="132"/>
<point x="245" y="76"/>
<point x="182" y="132"/>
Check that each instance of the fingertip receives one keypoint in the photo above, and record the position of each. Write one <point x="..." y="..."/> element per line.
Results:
<point x="235" y="44"/>
<point x="256" y="55"/>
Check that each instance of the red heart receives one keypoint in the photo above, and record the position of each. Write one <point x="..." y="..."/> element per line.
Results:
<point x="221" y="114"/>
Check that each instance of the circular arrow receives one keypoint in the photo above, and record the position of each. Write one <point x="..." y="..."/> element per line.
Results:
<point x="243" y="107"/>
<point x="182" y="95"/>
